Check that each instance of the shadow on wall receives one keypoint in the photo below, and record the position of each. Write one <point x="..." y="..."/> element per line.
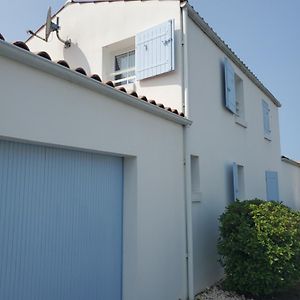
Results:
<point x="76" y="58"/>
<point x="205" y="234"/>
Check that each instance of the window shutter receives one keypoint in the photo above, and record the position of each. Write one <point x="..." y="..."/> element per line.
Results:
<point x="272" y="186"/>
<point x="266" y="117"/>
<point x="230" y="97"/>
<point x="155" y="50"/>
<point x="235" y="181"/>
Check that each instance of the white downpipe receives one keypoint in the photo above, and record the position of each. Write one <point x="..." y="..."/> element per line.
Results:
<point x="187" y="159"/>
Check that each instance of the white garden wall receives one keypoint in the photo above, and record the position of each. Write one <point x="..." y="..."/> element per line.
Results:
<point x="37" y="107"/>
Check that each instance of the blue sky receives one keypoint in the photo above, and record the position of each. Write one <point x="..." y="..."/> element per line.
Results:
<point x="264" y="33"/>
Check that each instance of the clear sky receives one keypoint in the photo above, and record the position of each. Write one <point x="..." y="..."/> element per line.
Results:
<point x="264" y="33"/>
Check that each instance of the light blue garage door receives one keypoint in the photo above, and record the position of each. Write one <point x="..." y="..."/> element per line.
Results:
<point x="60" y="224"/>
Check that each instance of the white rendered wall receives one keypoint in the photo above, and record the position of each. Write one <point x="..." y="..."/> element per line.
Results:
<point x="290" y="185"/>
<point x="94" y="27"/>
<point x="39" y="108"/>
<point x="214" y="136"/>
<point x="219" y="141"/>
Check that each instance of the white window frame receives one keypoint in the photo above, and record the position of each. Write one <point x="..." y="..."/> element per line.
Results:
<point x="127" y="80"/>
<point x="108" y="54"/>
<point x="195" y="179"/>
<point x="267" y="135"/>
<point x="239" y="100"/>
<point x="238" y="173"/>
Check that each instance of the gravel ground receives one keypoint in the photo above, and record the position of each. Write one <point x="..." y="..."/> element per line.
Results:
<point x="216" y="293"/>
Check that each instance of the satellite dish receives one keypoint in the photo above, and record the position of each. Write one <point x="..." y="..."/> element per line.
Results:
<point x="48" y="25"/>
<point x="51" y="27"/>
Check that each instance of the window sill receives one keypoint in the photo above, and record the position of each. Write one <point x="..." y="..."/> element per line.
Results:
<point x="196" y="196"/>
<point x="240" y="121"/>
<point x="267" y="137"/>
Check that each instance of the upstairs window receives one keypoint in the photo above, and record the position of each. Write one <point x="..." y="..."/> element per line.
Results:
<point x="266" y="119"/>
<point x="149" y="53"/>
<point x="124" y="70"/>
<point x="234" y="93"/>
<point x="239" y="93"/>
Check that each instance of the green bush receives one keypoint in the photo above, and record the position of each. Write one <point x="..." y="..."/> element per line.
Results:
<point x="259" y="246"/>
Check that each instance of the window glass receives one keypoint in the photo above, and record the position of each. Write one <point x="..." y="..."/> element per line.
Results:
<point x="125" y="68"/>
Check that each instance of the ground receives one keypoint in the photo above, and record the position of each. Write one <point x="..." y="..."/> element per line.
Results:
<point x="216" y="293"/>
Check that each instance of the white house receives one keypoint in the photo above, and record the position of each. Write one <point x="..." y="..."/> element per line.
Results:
<point x="170" y="171"/>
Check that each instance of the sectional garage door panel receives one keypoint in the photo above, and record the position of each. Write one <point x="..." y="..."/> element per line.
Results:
<point x="60" y="224"/>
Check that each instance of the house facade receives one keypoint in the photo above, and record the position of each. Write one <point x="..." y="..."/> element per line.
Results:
<point x="180" y="172"/>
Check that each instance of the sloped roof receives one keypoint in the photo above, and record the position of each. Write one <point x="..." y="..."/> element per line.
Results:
<point x="91" y="1"/>
<point x="203" y="25"/>
<point x="290" y="161"/>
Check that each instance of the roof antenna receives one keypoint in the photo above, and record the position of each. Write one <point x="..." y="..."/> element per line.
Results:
<point x="51" y="27"/>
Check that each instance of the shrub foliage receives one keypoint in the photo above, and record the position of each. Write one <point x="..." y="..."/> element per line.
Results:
<point x="259" y="246"/>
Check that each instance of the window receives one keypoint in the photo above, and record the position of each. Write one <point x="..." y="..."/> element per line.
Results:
<point x="149" y="53"/>
<point x="238" y="182"/>
<point x="239" y="93"/>
<point x="124" y="70"/>
<point x="266" y="119"/>
<point x="234" y="93"/>
<point x="272" y="186"/>
<point x="195" y="179"/>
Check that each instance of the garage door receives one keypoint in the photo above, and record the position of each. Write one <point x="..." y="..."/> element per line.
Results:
<point x="60" y="224"/>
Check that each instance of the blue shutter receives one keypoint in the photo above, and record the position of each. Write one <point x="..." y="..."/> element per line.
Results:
<point x="230" y="98"/>
<point x="235" y="181"/>
<point x="272" y="186"/>
<point x="155" y="50"/>
<point x="266" y="117"/>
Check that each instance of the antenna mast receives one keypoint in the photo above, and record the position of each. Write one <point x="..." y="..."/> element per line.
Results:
<point x="51" y="27"/>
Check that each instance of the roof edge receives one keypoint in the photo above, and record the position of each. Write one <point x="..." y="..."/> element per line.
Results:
<point x="290" y="161"/>
<point x="199" y="21"/>
<point x="40" y="63"/>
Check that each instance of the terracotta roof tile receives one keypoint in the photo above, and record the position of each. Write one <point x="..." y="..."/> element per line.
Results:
<point x="96" y="77"/>
<point x="134" y="94"/>
<point x="21" y="45"/>
<point x="110" y="83"/>
<point x="44" y="54"/>
<point x="81" y="71"/>
<point x="122" y="89"/>
<point x="144" y="98"/>
<point x="63" y="63"/>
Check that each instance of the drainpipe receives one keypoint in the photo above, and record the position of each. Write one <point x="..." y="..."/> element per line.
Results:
<point x="187" y="160"/>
